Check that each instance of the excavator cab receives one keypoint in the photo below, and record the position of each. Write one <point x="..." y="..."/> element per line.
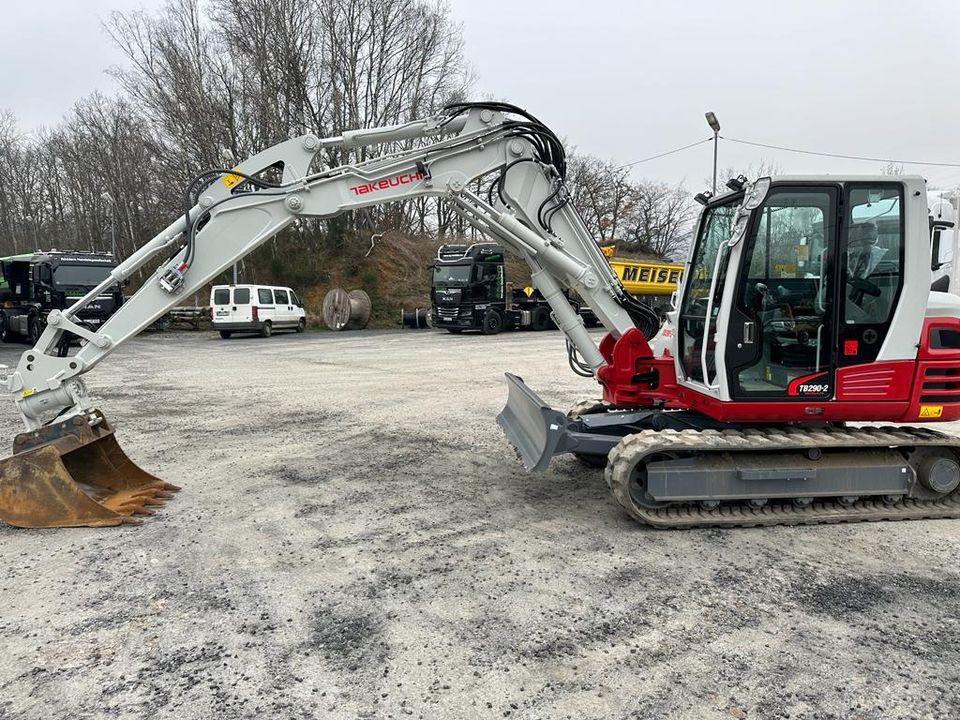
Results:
<point x="803" y="286"/>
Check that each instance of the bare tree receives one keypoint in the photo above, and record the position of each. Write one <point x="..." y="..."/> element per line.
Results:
<point x="763" y="168"/>
<point x="661" y="219"/>
<point x="644" y="217"/>
<point x="603" y="193"/>
<point x="250" y="73"/>
<point x="10" y="213"/>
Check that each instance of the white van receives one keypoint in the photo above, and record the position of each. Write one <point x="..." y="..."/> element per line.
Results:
<point x="255" y="308"/>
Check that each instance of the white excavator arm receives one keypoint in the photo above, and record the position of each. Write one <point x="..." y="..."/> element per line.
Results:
<point x="528" y="211"/>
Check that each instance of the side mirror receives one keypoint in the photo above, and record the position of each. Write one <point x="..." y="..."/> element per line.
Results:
<point x="754" y="197"/>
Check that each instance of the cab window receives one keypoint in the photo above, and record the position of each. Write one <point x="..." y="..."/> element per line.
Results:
<point x="489" y="277"/>
<point x="294" y="299"/>
<point x="874" y="254"/>
<point x="281" y="296"/>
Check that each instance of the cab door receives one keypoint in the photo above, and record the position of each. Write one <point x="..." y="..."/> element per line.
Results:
<point x="782" y="333"/>
<point x="298" y="311"/>
<point x="703" y="290"/>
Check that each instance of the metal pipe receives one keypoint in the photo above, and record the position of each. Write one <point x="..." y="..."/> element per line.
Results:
<point x="716" y="137"/>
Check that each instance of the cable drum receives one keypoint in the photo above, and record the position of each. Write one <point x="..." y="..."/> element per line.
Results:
<point x="417" y="319"/>
<point x="344" y="310"/>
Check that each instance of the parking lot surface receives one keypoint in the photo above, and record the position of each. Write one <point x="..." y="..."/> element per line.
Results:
<point x="355" y="539"/>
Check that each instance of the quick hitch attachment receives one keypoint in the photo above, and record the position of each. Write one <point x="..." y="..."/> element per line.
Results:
<point x="172" y="278"/>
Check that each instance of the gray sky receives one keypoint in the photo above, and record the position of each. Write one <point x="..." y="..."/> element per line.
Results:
<point x="54" y="52"/>
<point x="627" y="80"/>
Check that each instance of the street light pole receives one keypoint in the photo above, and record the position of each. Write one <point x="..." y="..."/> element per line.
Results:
<point x="715" y="126"/>
<point x="228" y="157"/>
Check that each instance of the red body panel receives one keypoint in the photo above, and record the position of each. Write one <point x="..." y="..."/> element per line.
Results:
<point x="936" y="387"/>
<point x="923" y="390"/>
<point x="880" y="381"/>
<point x="629" y="357"/>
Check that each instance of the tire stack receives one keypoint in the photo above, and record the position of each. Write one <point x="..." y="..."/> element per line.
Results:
<point x="344" y="310"/>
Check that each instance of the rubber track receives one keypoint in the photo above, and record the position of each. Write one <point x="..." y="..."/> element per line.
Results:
<point x="588" y="407"/>
<point x="632" y="449"/>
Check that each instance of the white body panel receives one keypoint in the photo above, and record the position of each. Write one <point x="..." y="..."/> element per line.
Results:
<point x="944" y="240"/>
<point x="941" y="304"/>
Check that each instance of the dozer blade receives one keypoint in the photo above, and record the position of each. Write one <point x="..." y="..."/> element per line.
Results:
<point x="535" y="430"/>
<point x="74" y="474"/>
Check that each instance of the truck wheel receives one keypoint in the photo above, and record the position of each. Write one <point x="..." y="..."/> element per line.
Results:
<point x="225" y="334"/>
<point x="540" y="320"/>
<point x="267" y="329"/>
<point x="33" y="331"/>
<point x="302" y="325"/>
<point x="492" y="322"/>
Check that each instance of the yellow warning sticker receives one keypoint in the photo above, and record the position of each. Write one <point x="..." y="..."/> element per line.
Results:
<point x="230" y="179"/>
<point x="27" y="392"/>
<point x="930" y="411"/>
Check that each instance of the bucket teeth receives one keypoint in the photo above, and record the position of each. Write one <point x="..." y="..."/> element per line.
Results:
<point x="74" y="474"/>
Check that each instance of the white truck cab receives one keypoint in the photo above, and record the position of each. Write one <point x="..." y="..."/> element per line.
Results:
<point x="255" y="308"/>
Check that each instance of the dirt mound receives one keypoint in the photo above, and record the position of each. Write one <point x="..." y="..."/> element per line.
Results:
<point x="394" y="273"/>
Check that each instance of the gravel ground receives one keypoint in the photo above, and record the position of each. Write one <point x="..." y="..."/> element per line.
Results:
<point x="355" y="539"/>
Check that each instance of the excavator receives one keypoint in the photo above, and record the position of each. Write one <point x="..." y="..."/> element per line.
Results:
<point x="794" y="380"/>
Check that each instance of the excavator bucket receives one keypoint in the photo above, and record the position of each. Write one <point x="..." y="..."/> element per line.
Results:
<point x="75" y="474"/>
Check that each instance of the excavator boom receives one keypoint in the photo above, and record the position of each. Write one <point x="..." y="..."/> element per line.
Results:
<point x="235" y="211"/>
